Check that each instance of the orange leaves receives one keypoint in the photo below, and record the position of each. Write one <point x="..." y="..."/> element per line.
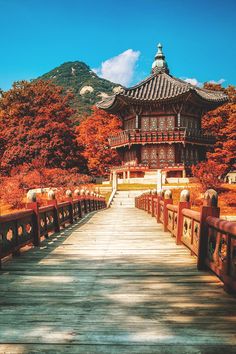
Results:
<point x="222" y="123"/>
<point x="208" y="173"/>
<point x="35" y="122"/>
<point x="93" y="134"/>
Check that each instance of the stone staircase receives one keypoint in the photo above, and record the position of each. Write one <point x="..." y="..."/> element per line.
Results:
<point x="125" y="199"/>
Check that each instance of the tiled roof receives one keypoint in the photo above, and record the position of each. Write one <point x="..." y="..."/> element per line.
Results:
<point x="160" y="87"/>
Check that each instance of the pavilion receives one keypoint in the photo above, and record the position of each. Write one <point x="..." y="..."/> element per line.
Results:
<point x="161" y="122"/>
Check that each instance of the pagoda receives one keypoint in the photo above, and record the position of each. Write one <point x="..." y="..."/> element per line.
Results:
<point x="161" y="123"/>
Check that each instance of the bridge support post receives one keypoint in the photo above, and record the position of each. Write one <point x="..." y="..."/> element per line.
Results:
<point x="209" y="208"/>
<point x="184" y="203"/>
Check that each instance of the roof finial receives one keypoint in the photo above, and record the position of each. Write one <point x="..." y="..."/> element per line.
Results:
<point x="160" y="65"/>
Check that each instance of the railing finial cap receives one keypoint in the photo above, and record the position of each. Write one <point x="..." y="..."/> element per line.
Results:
<point x="211" y="198"/>
<point x="51" y="194"/>
<point x="76" y="192"/>
<point x="167" y="194"/>
<point x="69" y="193"/>
<point x="31" y="196"/>
<point x="185" y="195"/>
<point x="160" y="193"/>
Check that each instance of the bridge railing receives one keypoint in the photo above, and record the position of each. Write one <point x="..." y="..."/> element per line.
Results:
<point x="32" y="225"/>
<point x="210" y="239"/>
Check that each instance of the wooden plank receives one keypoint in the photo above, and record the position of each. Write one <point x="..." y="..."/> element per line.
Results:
<point x="114" y="284"/>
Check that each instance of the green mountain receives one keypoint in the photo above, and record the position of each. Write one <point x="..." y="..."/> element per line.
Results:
<point x="78" y="78"/>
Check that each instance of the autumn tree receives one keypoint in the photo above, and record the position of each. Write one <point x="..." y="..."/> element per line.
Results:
<point x="35" y="123"/>
<point x="221" y="122"/>
<point x="93" y="134"/>
<point x="208" y="174"/>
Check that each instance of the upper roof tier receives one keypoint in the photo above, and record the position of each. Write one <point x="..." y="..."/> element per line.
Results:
<point x="159" y="87"/>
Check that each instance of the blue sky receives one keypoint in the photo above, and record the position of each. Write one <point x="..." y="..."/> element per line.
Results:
<point x="198" y="37"/>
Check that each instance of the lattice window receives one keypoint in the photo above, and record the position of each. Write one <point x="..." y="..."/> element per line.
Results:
<point x="153" y="123"/>
<point x="145" y="123"/>
<point x="145" y="155"/>
<point x="170" y="156"/>
<point x="161" y="123"/>
<point x="153" y="157"/>
<point x="170" y="122"/>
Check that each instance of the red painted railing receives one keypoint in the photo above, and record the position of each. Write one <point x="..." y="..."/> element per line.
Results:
<point x="211" y="239"/>
<point x="137" y="136"/>
<point x="30" y="226"/>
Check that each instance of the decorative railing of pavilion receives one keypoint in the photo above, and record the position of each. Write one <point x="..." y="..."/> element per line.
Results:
<point x="36" y="223"/>
<point x="177" y="135"/>
<point x="209" y="238"/>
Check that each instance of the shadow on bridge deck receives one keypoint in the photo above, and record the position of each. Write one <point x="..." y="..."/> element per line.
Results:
<point x="115" y="284"/>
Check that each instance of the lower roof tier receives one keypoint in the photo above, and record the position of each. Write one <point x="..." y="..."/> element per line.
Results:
<point x="177" y="135"/>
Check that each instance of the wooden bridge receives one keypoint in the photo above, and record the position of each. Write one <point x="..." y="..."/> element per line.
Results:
<point x="113" y="282"/>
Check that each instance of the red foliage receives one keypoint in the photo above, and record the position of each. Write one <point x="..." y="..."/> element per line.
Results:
<point x="14" y="188"/>
<point x="222" y="123"/>
<point x="208" y="173"/>
<point x="12" y="193"/>
<point x="93" y="134"/>
<point x="34" y="121"/>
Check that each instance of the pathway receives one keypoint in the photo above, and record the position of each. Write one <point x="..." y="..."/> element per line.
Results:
<point x="115" y="284"/>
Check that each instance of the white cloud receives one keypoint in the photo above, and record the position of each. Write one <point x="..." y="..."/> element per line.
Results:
<point x="193" y="81"/>
<point x="119" y="69"/>
<point x="221" y="81"/>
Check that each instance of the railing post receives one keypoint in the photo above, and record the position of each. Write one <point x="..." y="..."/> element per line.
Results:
<point x="70" y="199"/>
<point x="167" y="200"/>
<point x="209" y="208"/>
<point x="160" y="195"/>
<point x="184" y="203"/>
<point x="147" y="201"/>
<point x="154" y="194"/>
<point x="34" y="205"/>
<point x="87" y="198"/>
<point x="83" y="201"/>
<point x="52" y="201"/>
<point x="77" y="196"/>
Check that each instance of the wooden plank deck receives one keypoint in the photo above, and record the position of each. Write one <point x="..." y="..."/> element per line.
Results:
<point x="115" y="284"/>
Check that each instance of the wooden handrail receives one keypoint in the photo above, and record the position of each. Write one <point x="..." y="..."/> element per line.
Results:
<point x="223" y="226"/>
<point x="29" y="226"/>
<point x="210" y="238"/>
<point x="192" y="214"/>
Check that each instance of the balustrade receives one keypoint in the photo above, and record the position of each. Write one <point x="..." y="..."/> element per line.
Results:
<point x="32" y="225"/>
<point x="210" y="239"/>
<point x="137" y="136"/>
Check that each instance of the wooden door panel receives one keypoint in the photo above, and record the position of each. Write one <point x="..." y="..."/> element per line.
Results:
<point x="161" y="123"/>
<point x="170" y="122"/>
<point x="145" y="124"/>
<point x="153" y="157"/>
